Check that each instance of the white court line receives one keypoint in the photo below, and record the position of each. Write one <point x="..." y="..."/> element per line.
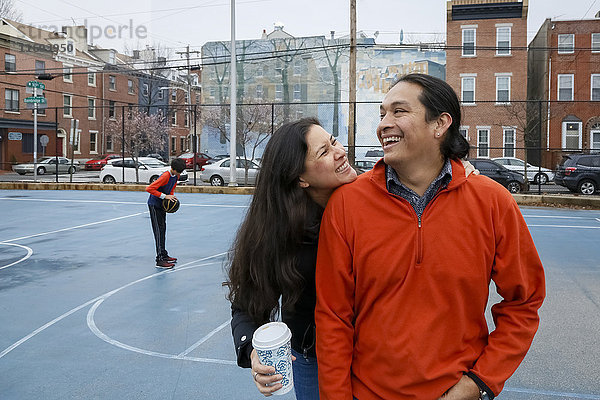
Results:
<point x="63" y="316"/>
<point x="204" y="339"/>
<point x="564" y="226"/>
<point x="558" y="217"/>
<point x="74" y="227"/>
<point x="554" y="394"/>
<point x="119" y="202"/>
<point x="29" y="253"/>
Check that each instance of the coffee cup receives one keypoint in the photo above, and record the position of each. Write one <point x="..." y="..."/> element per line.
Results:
<point x="272" y="344"/>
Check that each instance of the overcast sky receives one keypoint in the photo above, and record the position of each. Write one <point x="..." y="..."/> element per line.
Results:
<point x="177" y="23"/>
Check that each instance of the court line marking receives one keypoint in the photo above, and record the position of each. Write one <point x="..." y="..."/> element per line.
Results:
<point x="558" y="217"/>
<point x="74" y="227"/>
<point x="565" y="226"/>
<point x="554" y="394"/>
<point x="29" y="253"/>
<point x="118" y="202"/>
<point x="73" y="310"/>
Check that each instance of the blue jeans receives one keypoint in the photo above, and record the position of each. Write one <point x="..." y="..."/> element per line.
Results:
<point x="306" y="381"/>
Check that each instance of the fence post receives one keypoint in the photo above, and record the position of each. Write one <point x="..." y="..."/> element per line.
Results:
<point x="123" y="138"/>
<point x="195" y="140"/>
<point x="56" y="139"/>
<point x="540" y="146"/>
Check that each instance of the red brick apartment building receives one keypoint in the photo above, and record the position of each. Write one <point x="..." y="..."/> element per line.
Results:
<point x="564" y="74"/>
<point x="486" y="64"/>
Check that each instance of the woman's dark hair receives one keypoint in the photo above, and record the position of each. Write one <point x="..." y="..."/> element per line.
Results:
<point x="439" y="97"/>
<point x="262" y="261"/>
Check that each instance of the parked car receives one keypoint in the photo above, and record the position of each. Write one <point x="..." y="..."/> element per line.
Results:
<point x="374" y="154"/>
<point x="515" y="182"/>
<point x="97" y="164"/>
<point x="48" y="165"/>
<point x="149" y="170"/>
<point x="216" y="158"/>
<point x="156" y="155"/>
<point x="218" y="173"/>
<point x="362" y="165"/>
<point x="579" y="173"/>
<point x="533" y="172"/>
<point x="201" y="159"/>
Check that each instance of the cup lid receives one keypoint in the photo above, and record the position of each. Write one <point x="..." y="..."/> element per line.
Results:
<point x="271" y="334"/>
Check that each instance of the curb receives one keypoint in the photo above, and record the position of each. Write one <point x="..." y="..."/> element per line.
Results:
<point x="522" y="199"/>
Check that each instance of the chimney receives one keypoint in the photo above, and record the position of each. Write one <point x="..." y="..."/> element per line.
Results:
<point x="264" y="34"/>
<point x="332" y="33"/>
<point x="136" y="54"/>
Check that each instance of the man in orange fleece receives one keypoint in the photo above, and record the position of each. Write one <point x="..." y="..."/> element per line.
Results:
<point x="406" y="257"/>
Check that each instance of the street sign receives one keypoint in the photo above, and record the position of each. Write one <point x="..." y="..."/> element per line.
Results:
<point x="44" y="139"/>
<point x="36" y="100"/>
<point x="33" y="90"/>
<point x="15" y="136"/>
<point x="31" y="106"/>
<point x="36" y="84"/>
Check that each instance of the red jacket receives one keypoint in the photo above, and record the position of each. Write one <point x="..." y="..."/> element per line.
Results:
<point x="401" y="303"/>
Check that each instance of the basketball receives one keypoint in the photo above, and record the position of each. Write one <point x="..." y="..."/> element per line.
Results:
<point x="170" y="206"/>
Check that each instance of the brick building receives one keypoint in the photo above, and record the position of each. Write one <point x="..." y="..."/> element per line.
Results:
<point x="564" y="74"/>
<point x="486" y="64"/>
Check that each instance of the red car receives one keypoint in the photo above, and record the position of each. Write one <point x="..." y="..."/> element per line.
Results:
<point x="98" y="164"/>
<point x="201" y="159"/>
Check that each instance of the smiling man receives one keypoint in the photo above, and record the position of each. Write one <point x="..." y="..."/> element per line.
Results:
<point x="406" y="257"/>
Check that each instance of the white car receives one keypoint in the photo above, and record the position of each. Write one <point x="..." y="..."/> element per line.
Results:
<point x="374" y="154"/>
<point x="533" y="173"/>
<point x="149" y="170"/>
<point x="218" y="172"/>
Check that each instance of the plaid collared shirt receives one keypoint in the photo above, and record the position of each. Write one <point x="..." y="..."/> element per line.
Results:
<point x="394" y="186"/>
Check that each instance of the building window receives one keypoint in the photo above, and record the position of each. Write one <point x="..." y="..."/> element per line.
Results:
<point x="278" y="92"/>
<point x="67" y="104"/>
<point x="111" y="57"/>
<point x="12" y="100"/>
<point x="67" y="74"/>
<point x="186" y="119"/>
<point x="182" y="143"/>
<point x="565" y="87"/>
<point x="595" y="42"/>
<point x="174" y="118"/>
<point x="188" y="99"/>
<point x="173" y="144"/>
<point x="40" y="67"/>
<point x="213" y="92"/>
<point x="509" y="142"/>
<point x="109" y="143"/>
<point x="112" y="82"/>
<point x="130" y="86"/>
<point x="571" y="136"/>
<point x="145" y="90"/>
<point x="161" y="94"/>
<point x="91" y="78"/>
<point x="468" y="42"/>
<point x="259" y="91"/>
<point x="297" y="67"/>
<point x="93" y="142"/>
<point x="10" y="63"/>
<point x="468" y="89"/>
<point x="297" y="92"/>
<point x="111" y="109"/>
<point x="502" y="89"/>
<point x="464" y="131"/>
<point x="259" y="71"/>
<point x="92" y="108"/>
<point x="595" y="136"/>
<point x="483" y="142"/>
<point x="595" y="83"/>
<point x="503" y="40"/>
<point x="174" y="96"/>
<point x="566" y="43"/>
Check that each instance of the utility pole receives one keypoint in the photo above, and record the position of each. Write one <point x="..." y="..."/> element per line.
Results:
<point x="233" y="102"/>
<point x="352" y="84"/>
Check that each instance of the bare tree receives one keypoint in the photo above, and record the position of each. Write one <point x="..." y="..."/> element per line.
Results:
<point x="333" y="51"/>
<point x="142" y="133"/>
<point x="286" y="50"/>
<point x="9" y="11"/>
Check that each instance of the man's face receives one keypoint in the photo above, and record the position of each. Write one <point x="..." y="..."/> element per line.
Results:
<point x="404" y="134"/>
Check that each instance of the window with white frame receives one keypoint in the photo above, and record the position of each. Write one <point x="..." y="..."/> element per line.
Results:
<point x="186" y="118"/>
<point x="11" y="97"/>
<point x="595" y="42"/>
<point x="187" y="98"/>
<point x="502" y="89"/>
<point x="145" y="89"/>
<point x="67" y="74"/>
<point x="503" y="40"/>
<point x="67" y="104"/>
<point x="483" y="142"/>
<point x="174" y="118"/>
<point x="259" y="91"/>
<point x="111" y="109"/>
<point x="111" y="57"/>
<point x="91" y="78"/>
<point x="297" y="92"/>
<point x="468" y="89"/>
<point x="468" y="41"/>
<point x="297" y="67"/>
<point x="464" y="131"/>
<point x="161" y="93"/>
<point x="182" y="144"/>
<point x="278" y="92"/>
<point x="509" y="141"/>
<point x="130" y="86"/>
<point x="566" y="43"/>
<point x="109" y="143"/>
<point x="92" y="108"/>
<point x="595" y="87"/>
<point x="173" y="144"/>
<point x="595" y="137"/>
<point x="112" y="82"/>
<point x="565" y="87"/>
<point x="93" y="142"/>
<point x="571" y="136"/>
<point x="174" y="96"/>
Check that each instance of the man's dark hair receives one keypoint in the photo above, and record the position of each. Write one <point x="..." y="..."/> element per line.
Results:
<point x="438" y="97"/>
<point x="178" y="165"/>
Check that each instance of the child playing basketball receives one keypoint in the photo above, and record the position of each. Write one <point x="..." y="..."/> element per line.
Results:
<point x="160" y="189"/>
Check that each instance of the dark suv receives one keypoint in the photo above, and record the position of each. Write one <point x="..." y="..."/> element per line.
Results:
<point x="514" y="181"/>
<point x="579" y="173"/>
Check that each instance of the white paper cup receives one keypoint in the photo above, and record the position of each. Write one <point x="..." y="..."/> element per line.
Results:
<point x="272" y="344"/>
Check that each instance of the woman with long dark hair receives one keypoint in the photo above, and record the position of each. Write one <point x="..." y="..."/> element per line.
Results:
<point x="274" y="253"/>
